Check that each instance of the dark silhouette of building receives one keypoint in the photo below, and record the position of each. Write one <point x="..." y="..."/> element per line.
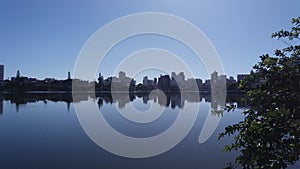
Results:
<point x="69" y="76"/>
<point x="231" y="80"/>
<point x="177" y="80"/>
<point x="164" y="82"/>
<point x="122" y="75"/>
<point x="180" y="78"/>
<point x="149" y="83"/>
<point x="1" y="73"/>
<point x="18" y="74"/>
<point x="207" y="85"/>
<point x="173" y="83"/>
<point x="145" y="81"/>
<point x="199" y="84"/>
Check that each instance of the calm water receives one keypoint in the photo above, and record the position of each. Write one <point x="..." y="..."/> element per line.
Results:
<point x="45" y="133"/>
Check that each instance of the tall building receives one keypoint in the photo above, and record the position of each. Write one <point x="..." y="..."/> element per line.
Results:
<point x="1" y="73"/>
<point x="199" y="84"/>
<point x="214" y="78"/>
<point x="69" y="75"/>
<point x="164" y="82"/>
<point x="155" y="81"/>
<point x="18" y="75"/>
<point x="122" y="75"/>
<point x="180" y="78"/>
<point x="218" y="82"/>
<point x="145" y="81"/>
<point x="122" y="81"/>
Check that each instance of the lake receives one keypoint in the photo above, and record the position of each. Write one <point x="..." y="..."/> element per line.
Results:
<point x="43" y="131"/>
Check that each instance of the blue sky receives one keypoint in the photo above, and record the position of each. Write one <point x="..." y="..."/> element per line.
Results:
<point x="43" y="38"/>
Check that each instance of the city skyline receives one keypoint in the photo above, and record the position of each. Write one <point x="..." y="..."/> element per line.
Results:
<point x="43" y="39"/>
<point x="176" y="75"/>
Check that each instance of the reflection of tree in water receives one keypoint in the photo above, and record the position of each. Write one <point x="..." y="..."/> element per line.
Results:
<point x="268" y="141"/>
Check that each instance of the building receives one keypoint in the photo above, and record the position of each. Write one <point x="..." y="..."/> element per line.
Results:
<point x="123" y="79"/>
<point x="164" y="82"/>
<point x="207" y="85"/>
<point x="1" y="73"/>
<point x="121" y="83"/>
<point x="145" y="81"/>
<point x="218" y="83"/>
<point x="18" y="75"/>
<point x="222" y="78"/>
<point x="180" y="78"/>
<point x="155" y="81"/>
<point x="149" y="83"/>
<point x="69" y="76"/>
<point x="199" y="84"/>
<point x="214" y="78"/>
<point x="177" y="80"/>
<point x="231" y="80"/>
<point x="122" y="75"/>
<point x="191" y="84"/>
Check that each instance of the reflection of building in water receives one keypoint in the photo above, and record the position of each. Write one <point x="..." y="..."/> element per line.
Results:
<point x="1" y="105"/>
<point x="145" y="99"/>
<point x="163" y="100"/>
<point x="190" y="96"/>
<point x="77" y="97"/>
<point x="218" y="100"/>
<point x="68" y="105"/>
<point x="218" y="92"/>
<point x="1" y="80"/>
<point x="176" y="101"/>
<point x="173" y="99"/>
<point x="121" y="98"/>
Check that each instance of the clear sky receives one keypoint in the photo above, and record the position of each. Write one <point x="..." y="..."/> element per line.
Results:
<point x="42" y="38"/>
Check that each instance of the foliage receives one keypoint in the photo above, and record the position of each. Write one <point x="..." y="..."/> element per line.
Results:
<point x="269" y="135"/>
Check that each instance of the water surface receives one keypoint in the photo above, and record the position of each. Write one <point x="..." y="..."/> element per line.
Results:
<point x="45" y="133"/>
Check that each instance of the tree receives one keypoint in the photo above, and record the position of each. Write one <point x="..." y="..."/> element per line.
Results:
<point x="18" y="74"/>
<point x="269" y="135"/>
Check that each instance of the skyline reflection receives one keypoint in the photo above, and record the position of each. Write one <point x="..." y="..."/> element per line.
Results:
<point x="172" y="100"/>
